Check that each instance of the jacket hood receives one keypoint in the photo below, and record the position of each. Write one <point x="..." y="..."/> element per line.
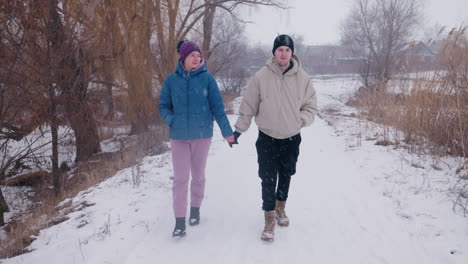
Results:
<point x="182" y="72"/>
<point x="274" y="68"/>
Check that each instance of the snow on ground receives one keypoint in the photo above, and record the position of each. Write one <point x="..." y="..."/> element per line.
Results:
<point x="418" y="186"/>
<point x="39" y="144"/>
<point x="19" y="200"/>
<point x="350" y="202"/>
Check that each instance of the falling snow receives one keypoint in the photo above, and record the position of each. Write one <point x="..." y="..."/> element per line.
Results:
<point x="349" y="202"/>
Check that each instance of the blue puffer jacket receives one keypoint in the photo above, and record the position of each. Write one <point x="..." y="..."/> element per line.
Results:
<point x="188" y="103"/>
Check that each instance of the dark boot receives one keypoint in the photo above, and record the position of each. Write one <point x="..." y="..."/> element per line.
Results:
<point x="194" y="216"/>
<point x="179" y="229"/>
<point x="268" y="233"/>
<point x="281" y="217"/>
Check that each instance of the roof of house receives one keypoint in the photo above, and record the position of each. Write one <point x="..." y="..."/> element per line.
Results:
<point x="416" y="47"/>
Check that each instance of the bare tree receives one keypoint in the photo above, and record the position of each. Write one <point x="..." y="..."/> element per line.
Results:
<point x="19" y="152"/>
<point x="28" y="90"/>
<point x="72" y="57"/>
<point x="375" y="30"/>
<point x="229" y="43"/>
<point x="176" y="19"/>
<point x="104" y="26"/>
<point x="49" y="67"/>
<point x="137" y="62"/>
<point x="226" y="56"/>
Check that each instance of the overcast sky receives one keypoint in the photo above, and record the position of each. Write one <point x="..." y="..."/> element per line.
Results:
<point x="318" y="21"/>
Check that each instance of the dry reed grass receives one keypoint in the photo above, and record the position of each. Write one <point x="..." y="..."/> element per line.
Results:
<point x="430" y="109"/>
<point x="228" y="98"/>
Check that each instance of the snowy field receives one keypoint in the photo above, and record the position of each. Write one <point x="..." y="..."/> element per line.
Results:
<point x="350" y="202"/>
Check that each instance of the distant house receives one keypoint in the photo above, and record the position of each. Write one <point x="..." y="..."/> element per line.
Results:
<point x="416" y="56"/>
<point x="329" y="59"/>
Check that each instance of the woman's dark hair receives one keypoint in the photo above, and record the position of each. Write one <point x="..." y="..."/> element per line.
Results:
<point x="180" y="44"/>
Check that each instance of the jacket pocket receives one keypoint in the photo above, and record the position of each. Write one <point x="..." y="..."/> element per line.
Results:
<point x="178" y="122"/>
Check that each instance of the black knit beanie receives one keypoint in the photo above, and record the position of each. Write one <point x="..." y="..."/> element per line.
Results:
<point x="283" y="40"/>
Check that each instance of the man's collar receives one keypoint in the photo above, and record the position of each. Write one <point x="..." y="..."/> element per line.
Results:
<point x="291" y="65"/>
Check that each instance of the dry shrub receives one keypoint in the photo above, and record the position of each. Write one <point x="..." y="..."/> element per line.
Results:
<point x="228" y="98"/>
<point x="21" y="232"/>
<point x="380" y="107"/>
<point x="28" y="179"/>
<point x="108" y="129"/>
<point x="431" y="109"/>
<point x="436" y="106"/>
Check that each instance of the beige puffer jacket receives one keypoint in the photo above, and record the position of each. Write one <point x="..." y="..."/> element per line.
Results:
<point x="282" y="104"/>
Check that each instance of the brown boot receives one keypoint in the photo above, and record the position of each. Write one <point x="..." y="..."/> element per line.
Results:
<point x="281" y="217"/>
<point x="268" y="233"/>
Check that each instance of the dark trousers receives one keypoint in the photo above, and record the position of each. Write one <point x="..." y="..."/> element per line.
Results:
<point x="277" y="160"/>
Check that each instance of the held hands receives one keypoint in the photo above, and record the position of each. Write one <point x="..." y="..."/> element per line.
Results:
<point x="232" y="139"/>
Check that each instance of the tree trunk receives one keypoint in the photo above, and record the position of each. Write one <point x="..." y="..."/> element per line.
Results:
<point x="109" y="42"/>
<point x="80" y="115"/>
<point x="208" y="20"/>
<point x="139" y="104"/>
<point x="73" y="82"/>
<point x="86" y="135"/>
<point x="55" y="169"/>
<point x="108" y="80"/>
<point x="54" y="131"/>
<point x="167" y="42"/>
<point x="140" y="68"/>
<point x="3" y="208"/>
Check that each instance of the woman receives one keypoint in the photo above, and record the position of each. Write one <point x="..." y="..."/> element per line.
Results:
<point x="189" y="101"/>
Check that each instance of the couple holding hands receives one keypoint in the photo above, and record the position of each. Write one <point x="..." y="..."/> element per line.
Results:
<point x="281" y="98"/>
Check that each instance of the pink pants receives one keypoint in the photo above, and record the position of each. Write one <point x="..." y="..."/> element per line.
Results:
<point x="188" y="156"/>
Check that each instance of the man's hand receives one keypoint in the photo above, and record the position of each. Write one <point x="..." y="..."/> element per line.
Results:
<point x="233" y="139"/>
<point x="236" y="136"/>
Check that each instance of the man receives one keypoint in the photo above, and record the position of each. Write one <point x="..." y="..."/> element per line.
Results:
<point x="282" y="99"/>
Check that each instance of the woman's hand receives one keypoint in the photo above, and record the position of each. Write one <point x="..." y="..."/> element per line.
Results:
<point x="231" y="140"/>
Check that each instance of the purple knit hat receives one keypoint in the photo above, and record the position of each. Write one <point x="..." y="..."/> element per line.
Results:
<point x="186" y="48"/>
